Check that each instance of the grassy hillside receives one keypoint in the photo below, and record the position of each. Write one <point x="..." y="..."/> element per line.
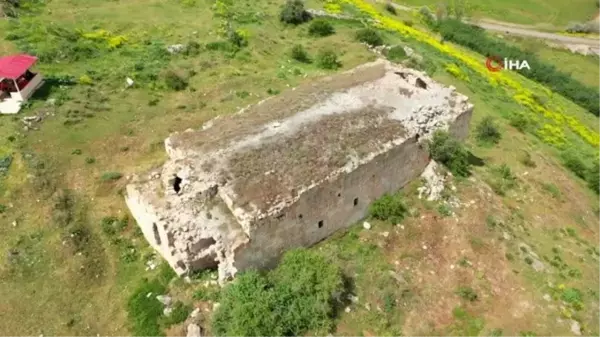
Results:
<point x="529" y="12"/>
<point x="76" y="264"/>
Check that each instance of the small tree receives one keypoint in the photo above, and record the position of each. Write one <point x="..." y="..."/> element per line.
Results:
<point x="574" y="163"/>
<point x="175" y="81"/>
<point x="487" y="131"/>
<point x="299" y="54"/>
<point x="450" y="152"/>
<point x="369" y="36"/>
<point x="389" y="208"/>
<point x="327" y="59"/>
<point x="396" y="54"/>
<point x="293" y="12"/>
<point x="321" y="28"/>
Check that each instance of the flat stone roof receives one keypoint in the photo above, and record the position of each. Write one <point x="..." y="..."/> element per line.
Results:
<point x="265" y="156"/>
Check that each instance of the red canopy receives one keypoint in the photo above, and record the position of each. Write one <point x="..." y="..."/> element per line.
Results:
<point x="16" y="65"/>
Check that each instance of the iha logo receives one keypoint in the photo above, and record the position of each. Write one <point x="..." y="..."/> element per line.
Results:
<point x="495" y="63"/>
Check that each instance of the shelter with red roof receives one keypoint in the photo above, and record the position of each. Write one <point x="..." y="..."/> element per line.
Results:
<point x="17" y="81"/>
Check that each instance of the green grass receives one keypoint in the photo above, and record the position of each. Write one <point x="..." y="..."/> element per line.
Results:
<point x="531" y="12"/>
<point x="46" y="291"/>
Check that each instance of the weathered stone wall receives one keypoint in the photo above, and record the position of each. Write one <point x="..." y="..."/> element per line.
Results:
<point x="331" y="206"/>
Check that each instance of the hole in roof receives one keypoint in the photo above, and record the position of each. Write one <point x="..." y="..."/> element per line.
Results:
<point x="177" y="184"/>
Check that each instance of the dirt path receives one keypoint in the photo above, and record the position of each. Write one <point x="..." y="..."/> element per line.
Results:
<point x="571" y="42"/>
<point x="522" y="30"/>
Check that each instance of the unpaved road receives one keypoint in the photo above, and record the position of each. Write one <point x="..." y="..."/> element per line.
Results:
<point x="571" y="42"/>
<point x="522" y="31"/>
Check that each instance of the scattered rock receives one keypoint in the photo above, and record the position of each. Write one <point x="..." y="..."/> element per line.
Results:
<point x="434" y="183"/>
<point x="547" y="297"/>
<point x="385" y="234"/>
<point x="129" y="82"/>
<point x="575" y="328"/>
<point x="366" y="225"/>
<point x="167" y="311"/>
<point x="347" y="309"/>
<point x="216" y="305"/>
<point x="195" y="313"/>
<point x="175" y="48"/>
<point x="193" y="330"/>
<point x="352" y="298"/>
<point x="164" y="299"/>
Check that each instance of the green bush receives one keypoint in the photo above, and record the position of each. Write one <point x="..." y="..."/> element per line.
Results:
<point x="390" y="8"/>
<point x="369" y="36"/>
<point x="526" y="159"/>
<point x="502" y="179"/>
<point x="487" y="131"/>
<point x="396" y="54"/>
<point x="327" y="59"/>
<point x="296" y="297"/>
<point x="321" y="28"/>
<point x="574" y="163"/>
<point x="389" y="208"/>
<point x="450" y="152"/>
<point x="237" y="38"/>
<point x="110" y="176"/>
<point x="175" y="81"/>
<point x="545" y="73"/>
<point x="467" y="293"/>
<point x="293" y="12"/>
<point x="521" y="122"/>
<point x="145" y="311"/>
<point x="299" y="54"/>
<point x="593" y="176"/>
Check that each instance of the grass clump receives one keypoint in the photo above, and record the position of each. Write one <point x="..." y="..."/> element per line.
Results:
<point x="389" y="208"/>
<point x="294" y="13"/>
<point x="526" y="159"/>
<point x="467" y="293"/>
<point x="300" y="54"/>
<point x="145" y="311"/>
<point x="574" y="163"/>
<point x="487" y="131"/>
<point x="327" y="59"/>
<point x="175" y="81"/>
<point x="502" y="180"/>
<point x="369" y="36"/>
<point x="450" y="152"/>
<point x="111" y="176"/>
<point x="321" y="28"/>
<point x="593" y="176"/>
<point x="552" y="189"/>
<point x="444" y="210"/>
<point x="389" y="7"/>
<point x="396" y="54"/>
<point x="296" y="297"/>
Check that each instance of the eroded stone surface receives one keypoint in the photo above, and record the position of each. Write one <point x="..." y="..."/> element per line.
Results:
<point x="292" y="169"/>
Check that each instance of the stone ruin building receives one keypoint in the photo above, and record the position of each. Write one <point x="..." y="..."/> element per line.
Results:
<point x="292" y="169"/>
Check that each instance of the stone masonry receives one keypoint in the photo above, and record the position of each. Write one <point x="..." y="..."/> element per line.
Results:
<point x="292" y="169"/>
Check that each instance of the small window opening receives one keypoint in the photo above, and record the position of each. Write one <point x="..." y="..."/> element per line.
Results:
<point x="339" y="194"/>
<point x="156" y="235"/>
<point x="355" y="201"/>
<point x="421" y="84"/>
<point x="320" y="224"/>
<point x="280" y="216"/>
<point x="300" y="216"/>
<point x="177" y="184"/>
<point x="417" y="137"/>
